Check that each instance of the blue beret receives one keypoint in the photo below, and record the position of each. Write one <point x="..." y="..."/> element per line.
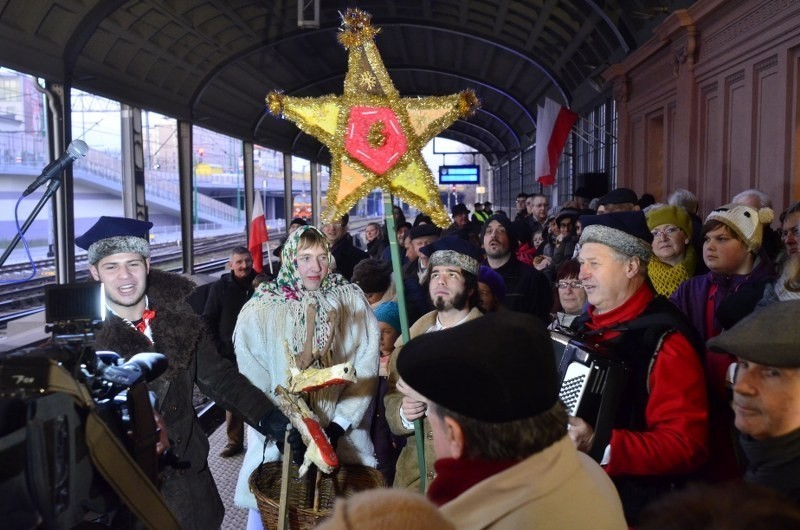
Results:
<point x="507" y="355"/>
<point x="112" y="235"/>
<point x="454" y="243"/>
<point x="495" y="282"/>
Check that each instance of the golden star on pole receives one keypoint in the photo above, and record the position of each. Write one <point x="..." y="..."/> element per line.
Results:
<point x="375" y="137"/>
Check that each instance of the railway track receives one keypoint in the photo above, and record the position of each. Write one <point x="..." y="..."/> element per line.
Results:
<point x="18" y="300"/>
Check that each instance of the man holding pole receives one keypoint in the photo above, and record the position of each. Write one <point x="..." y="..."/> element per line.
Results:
<point x="451" y="280"/>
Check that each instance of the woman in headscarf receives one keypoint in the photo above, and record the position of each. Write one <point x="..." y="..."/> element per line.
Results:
<point x="674" y="259"/>
<point x="309" y="310"/>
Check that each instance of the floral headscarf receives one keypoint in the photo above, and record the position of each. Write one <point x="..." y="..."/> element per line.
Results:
<point x="289" y="284"/>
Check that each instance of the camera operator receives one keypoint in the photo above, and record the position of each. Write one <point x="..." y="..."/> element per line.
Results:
<point x="147" y="312"/>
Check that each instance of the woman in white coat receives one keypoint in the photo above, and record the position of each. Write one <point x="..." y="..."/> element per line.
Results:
<point x="272" y="330"/>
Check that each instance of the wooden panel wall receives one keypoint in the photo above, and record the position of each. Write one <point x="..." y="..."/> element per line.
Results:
<point x="712" y="103"/>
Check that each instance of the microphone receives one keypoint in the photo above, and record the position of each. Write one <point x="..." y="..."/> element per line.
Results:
<point x="77" y="149"/>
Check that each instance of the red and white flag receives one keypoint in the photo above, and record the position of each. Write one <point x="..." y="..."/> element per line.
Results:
<point x="258" y="234"/>
<point x="553" y="124"/>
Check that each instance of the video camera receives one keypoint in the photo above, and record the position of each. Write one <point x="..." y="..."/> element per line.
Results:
<point x="51" y="398"/>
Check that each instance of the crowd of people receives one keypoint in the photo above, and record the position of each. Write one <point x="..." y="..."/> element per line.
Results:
<point x="700" y="311"/>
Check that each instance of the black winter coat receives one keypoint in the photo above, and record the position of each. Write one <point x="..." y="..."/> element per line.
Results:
<point x="180" y="334"/>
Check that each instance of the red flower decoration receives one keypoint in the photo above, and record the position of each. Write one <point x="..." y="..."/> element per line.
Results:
<point x="375" y="138"/>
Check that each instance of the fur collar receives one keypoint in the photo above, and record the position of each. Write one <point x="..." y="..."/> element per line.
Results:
<point x="177" y="330"/>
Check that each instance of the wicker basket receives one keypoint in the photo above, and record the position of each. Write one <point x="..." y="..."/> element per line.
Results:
<point x="265" y="483"/>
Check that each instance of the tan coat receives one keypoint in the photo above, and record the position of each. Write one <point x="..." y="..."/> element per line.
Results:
<point x="555" y="489"/>
<point x="407" y="475"/>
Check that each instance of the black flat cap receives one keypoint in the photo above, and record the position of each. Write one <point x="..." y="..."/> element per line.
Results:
<point x="770" y="336"/>
<point x="496" y="368"/>
<point x="424" y="230"/>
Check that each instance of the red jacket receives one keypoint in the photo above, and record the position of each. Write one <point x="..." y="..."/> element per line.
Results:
<point x="676" y="439"/>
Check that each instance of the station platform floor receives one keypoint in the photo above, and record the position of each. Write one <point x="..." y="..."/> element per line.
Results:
<point x="226" y="473"/>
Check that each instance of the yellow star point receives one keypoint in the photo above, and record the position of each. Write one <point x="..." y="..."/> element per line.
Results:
<point x="376" y="137"/>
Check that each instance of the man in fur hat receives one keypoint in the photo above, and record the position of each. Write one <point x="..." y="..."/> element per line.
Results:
<point x="659" y="434"/>
<point x="451" y="280"/>
<point x="147" y="312"/>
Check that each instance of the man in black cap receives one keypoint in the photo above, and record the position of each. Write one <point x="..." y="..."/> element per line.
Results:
<point x="618" y="200"/>
<point x="451" y="280"/>
<point x="503" y="458"/>
<point x="527" y="289"/>
<point x="419" y="236"/>
<point x="148" y="312"/>
<point x="344" y="252"/>
<point x="487" y="208"/>
<point x="225" y="299"/>
<point x="659" y="436"/>
<point x="766" y="394"/>
<point x="461" y="226"/>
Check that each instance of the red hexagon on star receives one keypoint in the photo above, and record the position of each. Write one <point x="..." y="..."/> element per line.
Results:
<point x="375" y="138"/>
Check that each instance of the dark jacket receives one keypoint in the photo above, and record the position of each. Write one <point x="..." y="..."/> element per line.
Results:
<point x="347" y="256"/>
<point x="180" y="334"/>
<point x="527" y="289"/>
<point x="376" y="247"/>
<point x="225" y="299"/>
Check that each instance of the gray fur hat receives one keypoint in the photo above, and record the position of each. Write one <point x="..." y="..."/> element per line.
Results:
<point x="625" y="232"/>
<point x="115" y="235"/>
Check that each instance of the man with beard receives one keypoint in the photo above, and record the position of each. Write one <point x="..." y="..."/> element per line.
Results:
<point x="225" y="299"/>
<point x="451" y="280"/>
<point x="147" y="312"/>
<point x="527" y="289"/>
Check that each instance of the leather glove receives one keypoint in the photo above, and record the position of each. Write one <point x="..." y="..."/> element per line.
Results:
<point x="273" y="424"/>
<point x="334" y="431"/>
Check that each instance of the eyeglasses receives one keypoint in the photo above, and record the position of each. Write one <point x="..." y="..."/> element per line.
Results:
<point x="575" y="284"/>
<point x="669" y="232"/>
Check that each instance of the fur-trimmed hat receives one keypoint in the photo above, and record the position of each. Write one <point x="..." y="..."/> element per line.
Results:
<point x="115" y="235"/>
<point x="769" y="336"/>
<point x="669" y="215"/>
<point x="747" y="222"/>
<point x="451" y="250"/>
<point x="507" y="354"/>
<point x="625" y="232"/>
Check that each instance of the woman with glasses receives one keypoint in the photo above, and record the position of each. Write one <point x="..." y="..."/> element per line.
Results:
<point x="674" y="259"/>
<point x="569" y="297"/>
<point x="787" y="286"/>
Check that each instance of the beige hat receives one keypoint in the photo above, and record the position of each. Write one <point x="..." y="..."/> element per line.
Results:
<point x="745" y="221"/>
<point x="386" y="509"/>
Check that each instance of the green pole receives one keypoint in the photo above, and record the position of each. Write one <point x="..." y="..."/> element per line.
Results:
<point x="397" y="275"/>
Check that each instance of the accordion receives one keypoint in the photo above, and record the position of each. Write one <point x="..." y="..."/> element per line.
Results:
<point x="592" y="383"/>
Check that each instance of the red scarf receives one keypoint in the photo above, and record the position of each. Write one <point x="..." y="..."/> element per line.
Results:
<point x="147" y="317"/>
<point x="455" y="476"/>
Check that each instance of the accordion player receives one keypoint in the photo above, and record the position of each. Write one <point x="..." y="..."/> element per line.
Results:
<point x="592" y="383"/>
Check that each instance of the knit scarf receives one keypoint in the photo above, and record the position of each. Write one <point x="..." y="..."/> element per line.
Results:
<point x="455" y="476"/>
<point x="286" y="294"/>
<point x="774" y="463"/>
<point x="666" y="278"/>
